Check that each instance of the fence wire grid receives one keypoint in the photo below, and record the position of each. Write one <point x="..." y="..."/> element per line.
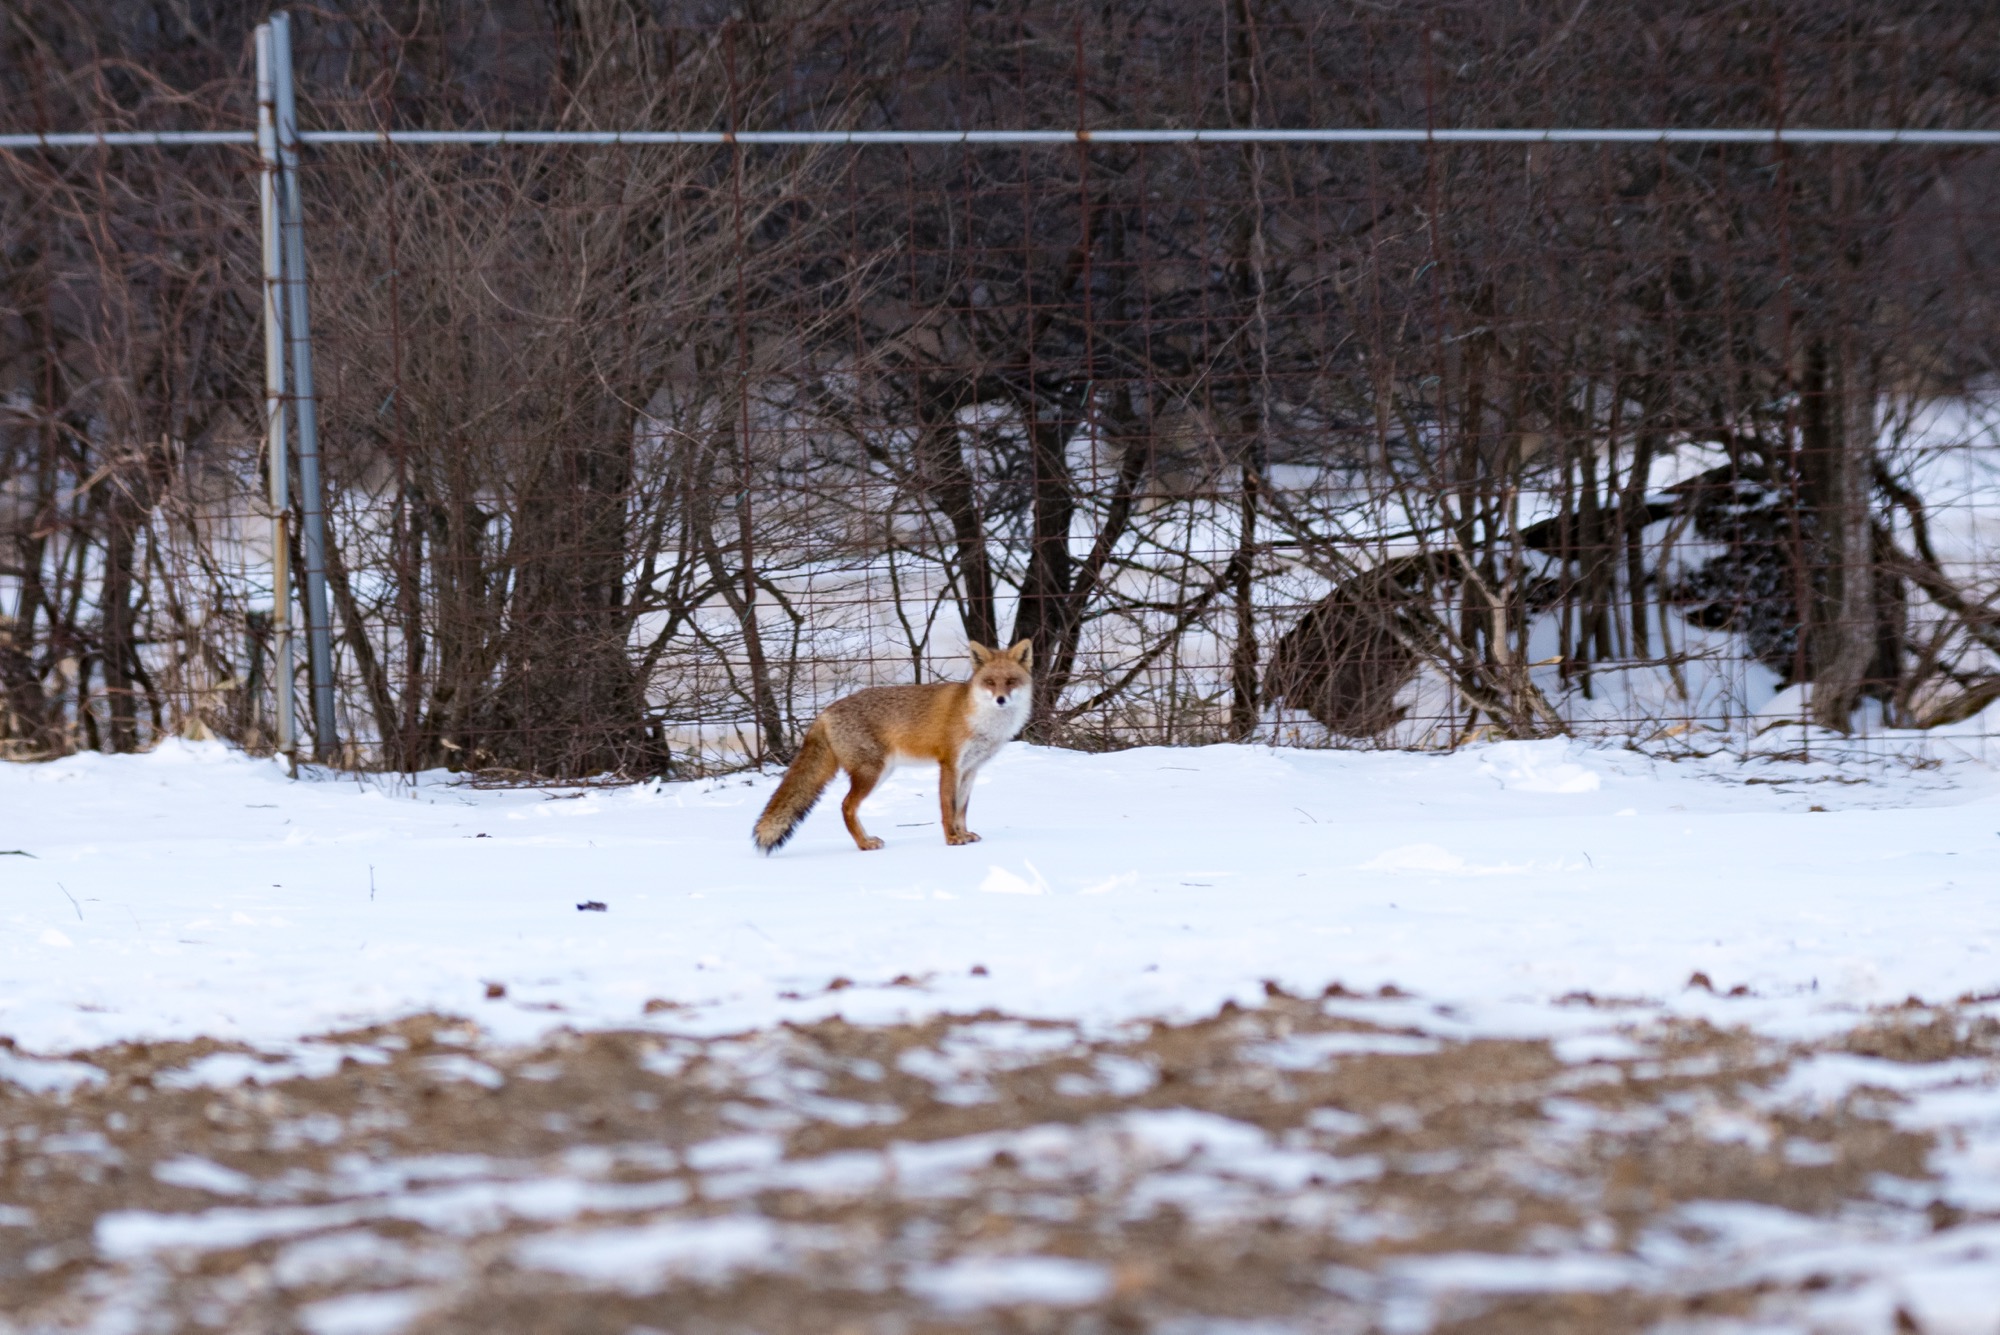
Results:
<point x="637" y="456"/>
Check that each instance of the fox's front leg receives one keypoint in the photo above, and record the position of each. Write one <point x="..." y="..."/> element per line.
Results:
<point x="965" y="782"/>
<point x="951" y="803"/>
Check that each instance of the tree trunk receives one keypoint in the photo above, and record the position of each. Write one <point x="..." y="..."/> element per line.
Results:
<point x="1129" y="435"/>
<point x="1045" y="589"/>
<point x="115" y="639"/>
<point x="1593" y="634"/>
<point x="34" y="720"/>
<point x="1837" y="464"/>
<point x="374" y="680"/>
<point x="568" y="702"/>
<point x="1243" y="695"/>
<point x="1632" y="509"/>
<point x="940" y="458"/>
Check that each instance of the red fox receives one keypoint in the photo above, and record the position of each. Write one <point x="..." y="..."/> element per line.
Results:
<point x="960" y="725"/>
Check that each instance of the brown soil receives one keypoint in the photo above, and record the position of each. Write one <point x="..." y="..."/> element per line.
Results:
<point x="868" y="1173"/>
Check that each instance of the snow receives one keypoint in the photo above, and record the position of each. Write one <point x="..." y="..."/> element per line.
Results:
<point x="199" y="892"/>
<point x="203" y="1175"/>
<point x="1949" y="1282"/>
<point x="195" y="892"/>
<point x="1518" y="1274"/>
<point x="706" y="1249"/>
<point x="362" y="1314"/>
<point x="42" y="1077"/>
<point x="991" y="1281"/>
<point x="461" y="1208"/>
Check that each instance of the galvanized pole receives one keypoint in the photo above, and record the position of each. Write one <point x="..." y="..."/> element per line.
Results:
<point x="312" y="510"/>
<point x="274" y="400"/>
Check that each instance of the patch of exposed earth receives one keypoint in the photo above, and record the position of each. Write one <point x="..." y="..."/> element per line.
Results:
<point x="1308" y="1164"/>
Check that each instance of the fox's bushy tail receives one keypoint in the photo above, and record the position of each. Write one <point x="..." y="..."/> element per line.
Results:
<point x="811" y="771"/>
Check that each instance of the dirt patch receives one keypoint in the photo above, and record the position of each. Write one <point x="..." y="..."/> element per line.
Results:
<point x="1294" y="1164"/>
<point x="1913" y="1033"/>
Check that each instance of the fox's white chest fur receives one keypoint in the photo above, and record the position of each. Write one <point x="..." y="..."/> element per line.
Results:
<point x="993" y="726"/>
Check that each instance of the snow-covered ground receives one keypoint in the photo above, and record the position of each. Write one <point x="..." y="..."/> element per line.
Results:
<point x="1599" y="897"/>
<point x="194" y="891"/>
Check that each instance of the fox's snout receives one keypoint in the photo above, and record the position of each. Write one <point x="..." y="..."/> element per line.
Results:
<point x="1000" y="692"/>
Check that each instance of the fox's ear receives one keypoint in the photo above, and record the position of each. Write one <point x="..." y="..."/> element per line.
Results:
<point x="981" y="655"/>
<point x="1023" y="653"/>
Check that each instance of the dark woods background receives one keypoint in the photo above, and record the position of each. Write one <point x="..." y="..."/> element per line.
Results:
<point x="637" y="456"/>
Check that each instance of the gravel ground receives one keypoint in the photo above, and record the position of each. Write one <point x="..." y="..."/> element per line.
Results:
<point x="1306" y="1164"/>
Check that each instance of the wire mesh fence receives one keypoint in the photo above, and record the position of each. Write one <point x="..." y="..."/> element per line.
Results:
<point x="637" y="455"/>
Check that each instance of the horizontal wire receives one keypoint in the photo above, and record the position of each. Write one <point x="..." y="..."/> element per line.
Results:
<point x="128" y="139"/>
<point x="1772" y="135"/>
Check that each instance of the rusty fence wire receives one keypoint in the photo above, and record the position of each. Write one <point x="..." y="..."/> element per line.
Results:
<point x="638" y="455"/>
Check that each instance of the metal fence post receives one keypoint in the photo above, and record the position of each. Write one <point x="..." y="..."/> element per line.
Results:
<point x="312" y="510"/>
<point x="274" y="399"/>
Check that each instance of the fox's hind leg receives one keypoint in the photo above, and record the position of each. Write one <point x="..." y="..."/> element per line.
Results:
<point x="862" y="777"/>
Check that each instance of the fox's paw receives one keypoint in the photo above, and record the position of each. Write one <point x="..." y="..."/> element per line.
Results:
<point x="956" y="839"/>
<point x="870" y="844"/>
